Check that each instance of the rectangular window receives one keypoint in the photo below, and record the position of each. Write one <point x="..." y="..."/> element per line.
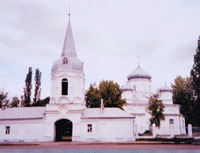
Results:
<point x="7" y="129"/>
<point x="89" y="128"/>
<point x="171" y="121"/>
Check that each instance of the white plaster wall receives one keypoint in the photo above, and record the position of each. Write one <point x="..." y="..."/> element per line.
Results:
<point x="166" y="97"/>
<point x="23" y="130"/>
<point x="177" y="128"/>
<point x="64" y="113"/>
<point x="141" y="84"/>
<point x="142" y="122"/>
<point x="142" y="118"/>
<point x="106" y="130"/>
<point x="141" y="91"/>
<point x="182" y="123"/>
<point x="172" y="109"/>
<point x="136" y="108"/>
<point x="128" y="95"/>
<point x="76" y="87"/>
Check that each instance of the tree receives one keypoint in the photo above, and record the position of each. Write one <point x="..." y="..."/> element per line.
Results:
<point x="37" y="86"/>
<point x="195" y="75"/>
<point x="93" y="97"/>
<point x="3" y="98"/>
<point x="14" y="102"/>
<point x="111" y="94"/>
<point x="109" y="91"/>
<point x="155" y="108"/>
<point x="182" y="95"/>
<point x="27" y="89"/>
<point x="42" y="102"/>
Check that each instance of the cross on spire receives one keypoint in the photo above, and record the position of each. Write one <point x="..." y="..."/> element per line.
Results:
<point x="69" y="47"/>
<point x="69" y="11"/>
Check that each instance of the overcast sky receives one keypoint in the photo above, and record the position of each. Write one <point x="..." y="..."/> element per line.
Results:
<point x="109" y="36"/>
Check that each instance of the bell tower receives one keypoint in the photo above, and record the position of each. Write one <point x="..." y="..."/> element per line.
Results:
<point x="67" y="75"/>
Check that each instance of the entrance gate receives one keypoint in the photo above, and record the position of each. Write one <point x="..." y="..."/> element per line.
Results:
<point x="63" y="129"/>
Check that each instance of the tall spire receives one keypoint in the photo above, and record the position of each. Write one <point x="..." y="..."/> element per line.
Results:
<point x="68" y="46"/>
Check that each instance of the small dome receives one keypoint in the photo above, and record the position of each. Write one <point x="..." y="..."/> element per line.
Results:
<point x="126" y="88"/>
<point x="67" y="63"/>
<point x="165" y="88"/>
<point x="139" y="73"/>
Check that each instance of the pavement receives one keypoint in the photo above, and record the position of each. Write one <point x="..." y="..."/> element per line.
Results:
<point x="94" y="146"/>
<point x="140" y="142"/>
<point x="91" y="143"/>
<point x="82" y="143"/>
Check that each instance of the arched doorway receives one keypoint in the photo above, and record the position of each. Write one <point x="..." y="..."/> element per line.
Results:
<point x="63" y="130"/>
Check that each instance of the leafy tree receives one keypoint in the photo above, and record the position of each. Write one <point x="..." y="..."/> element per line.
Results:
<point x="109" y="91"/>
<point x="27" y="89"/>
<point x="155" y="108"/>
<point x="42" y="102"/>
<point x="182" y="95"/>
<point x="14" y="102"/>
<point x="111" y="94"/>
<point x="37" y="86"/>
<point x="3" y="98"/>
<point x="93" y="97"/>
<point x="195" y="74"/>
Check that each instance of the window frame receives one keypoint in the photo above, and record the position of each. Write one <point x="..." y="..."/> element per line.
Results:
<point x="89" y="128"/>
<point x="7" y="130"/>
<point x="65" y="61"/>
<point x="64" y="87"/>
<point x="171" y="121"/>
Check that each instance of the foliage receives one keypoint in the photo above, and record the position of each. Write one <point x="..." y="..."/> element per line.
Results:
<point x="111" y="94"/>
<point x="109" y="91"/>
<point x="3" y="98"/>
<point x="14" y="102"/>
<point x="42" y="102"/>
<point x="26" y="98"/>
<point x="155" y="108"/>
<point x="37" y="86"/>
<point x="27" y="89"/>
<point x="93" y="97"/>
<point x="182" y="95"/>
<point x="195" y="74"/>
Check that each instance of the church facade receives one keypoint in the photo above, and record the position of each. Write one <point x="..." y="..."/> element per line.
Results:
<point x="137" y="91"/>
<point x="66" y="117"/>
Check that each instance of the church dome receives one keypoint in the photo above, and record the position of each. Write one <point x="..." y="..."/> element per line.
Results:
<point x="126" y="88"/>
<point x="67" y="63"/>
<point x="165" y="88"/>
<point x="139" y="73"/>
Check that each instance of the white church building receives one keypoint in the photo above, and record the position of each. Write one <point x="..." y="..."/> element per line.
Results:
<point x="137" y="91"/>
<point x="66" y="117"/>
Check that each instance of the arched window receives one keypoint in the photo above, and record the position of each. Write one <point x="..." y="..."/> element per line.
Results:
<point x="64" y="87"/>
<point x="65" y="60"/>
